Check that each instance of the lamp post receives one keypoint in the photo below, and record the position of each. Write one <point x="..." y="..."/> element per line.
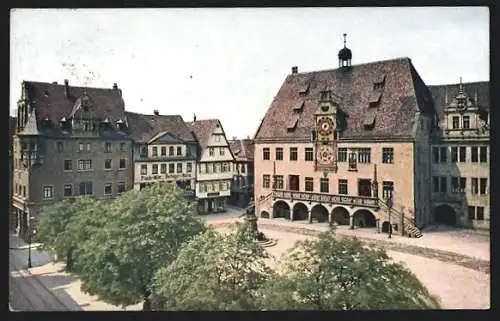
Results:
<point x="389" y="205"/>
<point x="30" y="232"/>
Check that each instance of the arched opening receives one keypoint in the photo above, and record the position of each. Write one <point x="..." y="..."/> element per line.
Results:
<point x="385" y="227"/>
<point x="319" y="213"/>
<point x="340" y="216"/>
<point x="364" y="218"/>
<point x="300" y="212"/>
<point x="445" y="214"/>
<point x="264" y="214"/>
<point x="281" y="209"/>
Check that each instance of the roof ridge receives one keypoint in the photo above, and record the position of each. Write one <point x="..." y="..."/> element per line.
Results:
<point x="354" y="65"/>
<point x="464" y="83"/>
<point x="62" y="85"/>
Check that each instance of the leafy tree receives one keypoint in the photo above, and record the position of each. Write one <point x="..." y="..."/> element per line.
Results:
<point x="53" y="227"/>
<point x="214" y="271"/>
<point x="327" y="274"/>
<point x="142" y="232"/>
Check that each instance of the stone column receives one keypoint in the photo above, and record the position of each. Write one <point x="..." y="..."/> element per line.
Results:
<point x="330" y="219"/>
<point x="291" y="215"/>
<point x="310" y="217"/>
<point x="402" y="228"/>
<point x="378" y="225"/>
<point x="351" y="222"/>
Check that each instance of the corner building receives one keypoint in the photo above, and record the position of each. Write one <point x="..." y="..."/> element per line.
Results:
<point x="349" y="146"/>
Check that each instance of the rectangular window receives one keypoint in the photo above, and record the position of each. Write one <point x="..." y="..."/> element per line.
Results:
<point x="309" y="184"/>
<point x="279" y="181"/>
<point x="343" y="186"/>
<point x="179" y="151"/>
<point x="89" y="147"/>
<point x="309" y="154"/>
<point x="107" y="163"/>
<point x="48" y="192"/>
<point x="483" y="150"/>
<point x="68" y="190"/>
<point x="462" y="153"/>
<point x="471" y="212"/>
<point x="211" y="151"/>
<point x="435" y="154"/>
<point x="144" y="169"/>
<point x="388" y="155"/>
<point x="189" y="167"/>
<point x="155" y="151"/>
<point x="171" y="168"/>
<point x="266" y="181"/>
<point x="266" y="153"/>
<point x="364" y="155"/>
<point x="122" y="147"/>
<point x="466" y="122"/>
<point x="81" y="147"/>
<point x="455" y="122"/>
<point x="483" y="182"/>
<point x="85" y="188"/>
<point x="85" y="164"/>
<point x="443" y="153"/>
<point x="163" y="151"/>
<point x="154" y="170"/>
<point x="454" y="185"/>
<point x="60" y="147"/>
<point x="144" y="152"/>
<point x="67" y="165"/>
<point x="243" y="168"/>
<point x="435" y="184"/>
<point x="107" y="147"/>
<point x="480" y="213"/>
<point x="474" y="154"/>
<point x="108" y="190"/>
<point x="444" y="184"/>
<point x="163" y="168"/>
<point x="123" y="163"/>
<point x="474" y="185"/>
<point x="24" y="191"/>
<point x="387" y="189"/>
<point x="463" y="183"/>
<point x="342" y="155"/>
<point x="279" y="153"/>
<point x="454" y="154"/>
<point x="293" y="153"/>
<point x="171" y="151"/>
<point x="208" y="169"/>
<point x="324" y="185"/>
<point x="221" y="151"/>
<point x="179" y="167"/>
<point x="120" y="187"/>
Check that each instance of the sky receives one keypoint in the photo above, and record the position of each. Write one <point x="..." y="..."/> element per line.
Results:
<point x="229" y="63"/>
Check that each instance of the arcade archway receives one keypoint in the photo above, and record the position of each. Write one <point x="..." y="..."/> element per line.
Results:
<point x="364" y="218"/>
<point x="300" y="212"/>
<point x="340" y="216"/>
<point x="281" y="209"/>
<point x="445" y="214"/>
<point x="320" y="213"/>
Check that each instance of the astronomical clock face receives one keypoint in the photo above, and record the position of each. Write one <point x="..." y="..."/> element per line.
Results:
<point x="325" y="126"/>
<point x="325" y="155"/>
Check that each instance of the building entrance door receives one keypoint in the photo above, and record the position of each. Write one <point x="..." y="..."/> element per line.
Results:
<point x="293" y="182"/>
<point x="364" y="187"/>
<point x="210" y="205"/>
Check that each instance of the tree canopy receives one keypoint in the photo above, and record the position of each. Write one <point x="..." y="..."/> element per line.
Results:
<point x="142" y="232"/>
<point x="214" y="271"/>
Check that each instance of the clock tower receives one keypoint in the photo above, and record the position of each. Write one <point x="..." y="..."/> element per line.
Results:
<point x="327" y="133"/>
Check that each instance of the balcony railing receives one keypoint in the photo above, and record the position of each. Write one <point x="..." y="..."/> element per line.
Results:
<point x="370" y="202"/>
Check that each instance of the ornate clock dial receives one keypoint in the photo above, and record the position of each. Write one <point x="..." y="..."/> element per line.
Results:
<point x="325" y="126"/>
<point x="325" y="155"/>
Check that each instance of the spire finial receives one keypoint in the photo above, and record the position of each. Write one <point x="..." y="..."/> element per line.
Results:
<point x="461" y="90"/>
<point x="446" y="96"/>
<point x="345" y="35"/>
<point x="475" y="97"/>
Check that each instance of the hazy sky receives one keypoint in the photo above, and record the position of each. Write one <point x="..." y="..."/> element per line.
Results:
<point x="229" y="63"/>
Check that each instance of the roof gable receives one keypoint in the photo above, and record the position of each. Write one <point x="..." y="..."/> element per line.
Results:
<point x="145" y="128"/>
<point x="165" y="137"/>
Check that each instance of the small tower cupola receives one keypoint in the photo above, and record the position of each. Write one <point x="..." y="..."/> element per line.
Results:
<point x="345" y="55"/>
<point x="461" y="97"/>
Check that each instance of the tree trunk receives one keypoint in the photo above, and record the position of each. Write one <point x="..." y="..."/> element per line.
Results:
<point x="69" y="260"/>
<point x="146" y="305"/>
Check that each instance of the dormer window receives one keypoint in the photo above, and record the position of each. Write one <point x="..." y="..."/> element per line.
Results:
<point x="379" y="82"/>
<point x="304" y="89"/>
<point x="325" y="108"/>
<point x="292" y="124"/>
<point x="299" y="107"/>
<point x="374" y="99"/>
<point x="455" y="122"/>
<point x="369" y="121"/>
<point x="325" y="95"/>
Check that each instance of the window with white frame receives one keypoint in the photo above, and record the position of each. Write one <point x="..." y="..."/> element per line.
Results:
<point x="48" y="192"/>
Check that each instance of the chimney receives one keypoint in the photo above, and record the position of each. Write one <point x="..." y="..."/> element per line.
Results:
<point x="156" y="112"/>
<point x="66" y="88"/>
<point x="235" y="138"/>
<point x="54" y="83"/>
<point x="115" y="86"/>
<point x="295" y="69"/>
<point x="194" y="117"/>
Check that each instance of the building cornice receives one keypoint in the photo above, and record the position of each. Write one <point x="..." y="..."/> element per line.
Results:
<point x="302" y="140"/>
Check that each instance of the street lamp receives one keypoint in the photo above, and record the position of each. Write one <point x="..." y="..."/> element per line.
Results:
<point x="389" y="205"/>
<point x="30" y="232"/>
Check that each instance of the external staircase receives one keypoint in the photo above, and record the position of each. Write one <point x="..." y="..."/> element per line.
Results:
<point x="409" y="228"/>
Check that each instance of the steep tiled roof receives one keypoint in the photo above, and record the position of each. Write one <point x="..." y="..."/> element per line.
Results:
<point x="403" y="94"/>
<point x="242" y="149"/>
<point x="144" y="127"/>
<point x="203" y="130"/>
<point x="50" y="102"/>
<point x="446" y="93"/>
